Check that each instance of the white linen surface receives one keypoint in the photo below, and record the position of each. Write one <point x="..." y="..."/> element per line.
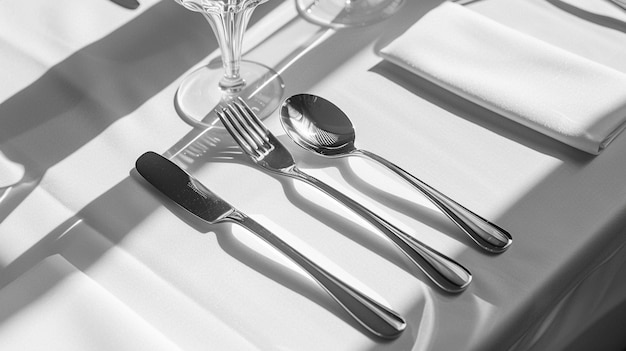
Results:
<point x="90" y="87"/>
<point x="54" y="306"/>
<point x="567" y="97"/>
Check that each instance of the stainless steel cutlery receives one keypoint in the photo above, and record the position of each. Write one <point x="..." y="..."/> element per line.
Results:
<point x="268" y="153"/>
<point x="194" y="197"/>
<point x="316" y="124"/>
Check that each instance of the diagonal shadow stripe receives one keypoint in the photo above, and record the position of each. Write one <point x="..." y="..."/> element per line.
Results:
<point x="80" y="97"/>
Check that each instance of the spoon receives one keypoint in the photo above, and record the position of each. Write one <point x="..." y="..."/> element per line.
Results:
<point x="318" y="125"/>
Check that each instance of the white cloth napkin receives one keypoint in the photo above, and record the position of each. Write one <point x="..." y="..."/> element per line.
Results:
<point x="567" y="97"/>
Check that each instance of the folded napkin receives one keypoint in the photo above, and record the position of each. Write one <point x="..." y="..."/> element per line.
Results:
<point x="567" y="97"/>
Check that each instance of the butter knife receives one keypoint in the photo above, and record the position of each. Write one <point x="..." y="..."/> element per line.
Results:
<point x="194" y="197"/>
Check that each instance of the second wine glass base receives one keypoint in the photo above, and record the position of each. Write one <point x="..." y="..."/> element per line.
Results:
<point x="346" y="13"/>
<point x="200" y="94"/>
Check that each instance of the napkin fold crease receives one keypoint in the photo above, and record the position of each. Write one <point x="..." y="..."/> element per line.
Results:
<point x="562" y="95"/>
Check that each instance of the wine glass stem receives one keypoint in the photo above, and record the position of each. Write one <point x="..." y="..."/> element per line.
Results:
<point x="228" y="27"/>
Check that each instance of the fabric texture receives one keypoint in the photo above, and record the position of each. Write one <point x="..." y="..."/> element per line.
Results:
<point x="564" y="96"/>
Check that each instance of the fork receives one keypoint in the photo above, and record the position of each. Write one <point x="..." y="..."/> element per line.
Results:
<point x="267" y="152"/>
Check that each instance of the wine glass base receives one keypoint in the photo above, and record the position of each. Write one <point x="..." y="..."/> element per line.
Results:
<point x="346" y="13"/>
<point x="200" y="94"/>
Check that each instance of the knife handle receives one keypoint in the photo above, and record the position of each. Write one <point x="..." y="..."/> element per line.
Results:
<point x="371" y="314"/>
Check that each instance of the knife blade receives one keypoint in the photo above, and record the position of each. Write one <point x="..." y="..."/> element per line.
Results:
<point x="181" y="187"/>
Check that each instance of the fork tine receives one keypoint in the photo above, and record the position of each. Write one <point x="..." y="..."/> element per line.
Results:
<point x="259" y="138"/>
<point x="252" y="118"/>
<point x="235" y="122"/>
<point x="235" y="131"/>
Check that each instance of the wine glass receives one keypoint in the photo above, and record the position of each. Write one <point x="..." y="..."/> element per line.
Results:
<point x="347" y="13"/>
<point x="231" y="77"/>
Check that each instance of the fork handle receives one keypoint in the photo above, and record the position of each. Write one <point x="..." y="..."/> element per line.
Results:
<point x="486" y="234"/>
<point x="442" y="270"/>
<point x="371" y="314"/>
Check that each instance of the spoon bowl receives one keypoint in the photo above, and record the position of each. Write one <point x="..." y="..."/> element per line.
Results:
<point x="318" y="125"/>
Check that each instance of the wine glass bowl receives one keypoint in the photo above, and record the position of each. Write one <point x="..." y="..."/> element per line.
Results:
<point x="231" y="77"/>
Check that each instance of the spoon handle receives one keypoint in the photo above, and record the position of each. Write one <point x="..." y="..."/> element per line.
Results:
<point x="486" y="234"/>
<point x="442" y="270"/>
<point x="375" y="317"/>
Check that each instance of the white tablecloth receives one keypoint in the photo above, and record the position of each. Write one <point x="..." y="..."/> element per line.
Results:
<point x="88" y="86"/>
